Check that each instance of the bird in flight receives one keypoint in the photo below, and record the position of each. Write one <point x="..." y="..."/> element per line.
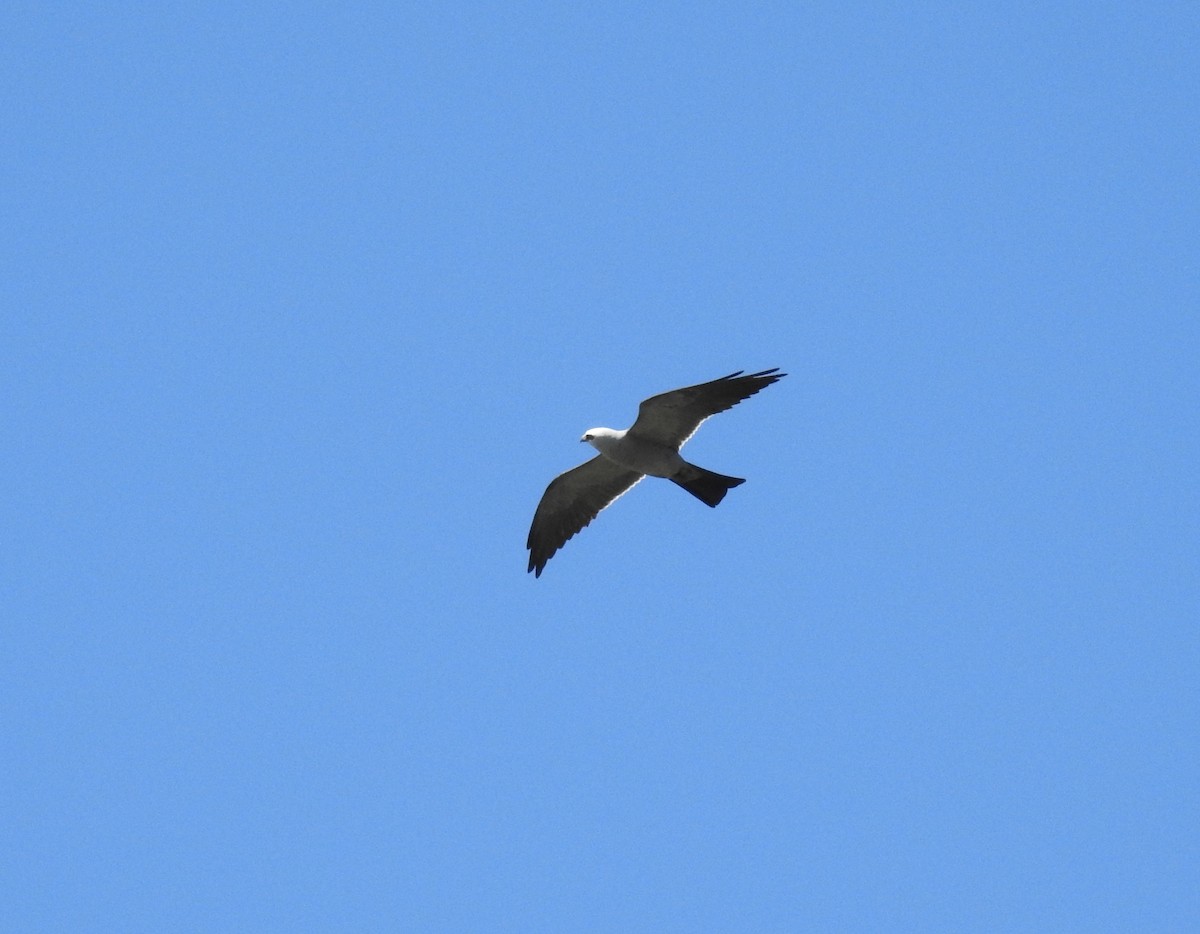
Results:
<point x="649" y="447"/>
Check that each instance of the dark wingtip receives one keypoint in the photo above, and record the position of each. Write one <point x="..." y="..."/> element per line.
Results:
<point x="769" y="375"/>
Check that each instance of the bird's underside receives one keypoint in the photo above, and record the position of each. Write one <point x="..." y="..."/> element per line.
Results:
<point x="649" y="447"/>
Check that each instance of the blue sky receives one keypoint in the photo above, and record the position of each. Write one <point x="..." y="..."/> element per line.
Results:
<point x="305" y="304"/>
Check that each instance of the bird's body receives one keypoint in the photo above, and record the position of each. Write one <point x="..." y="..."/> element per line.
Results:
<point x="650" y="447"/>
<point x="635" y="453"/>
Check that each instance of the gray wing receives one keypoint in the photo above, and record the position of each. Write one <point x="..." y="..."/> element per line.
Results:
<point x="571" y="501"/>
<point x="673" y="417"/>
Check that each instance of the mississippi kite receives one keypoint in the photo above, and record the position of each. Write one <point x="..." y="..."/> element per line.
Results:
<point x="650" y="447"/>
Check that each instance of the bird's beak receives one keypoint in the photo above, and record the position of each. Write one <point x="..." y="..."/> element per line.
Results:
<point x="581" y="440"/>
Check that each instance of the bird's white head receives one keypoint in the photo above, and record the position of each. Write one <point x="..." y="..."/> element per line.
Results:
<point x="600" y="438"/>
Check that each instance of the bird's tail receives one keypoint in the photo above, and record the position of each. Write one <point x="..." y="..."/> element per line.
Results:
<point x="708" y="487"/>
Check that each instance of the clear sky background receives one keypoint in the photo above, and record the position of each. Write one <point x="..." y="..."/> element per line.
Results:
<point x="303" y="305"/>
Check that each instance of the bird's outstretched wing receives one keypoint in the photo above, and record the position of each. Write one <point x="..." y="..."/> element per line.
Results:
<point x="571" y="501"/>
<point x="673" y="417"/>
